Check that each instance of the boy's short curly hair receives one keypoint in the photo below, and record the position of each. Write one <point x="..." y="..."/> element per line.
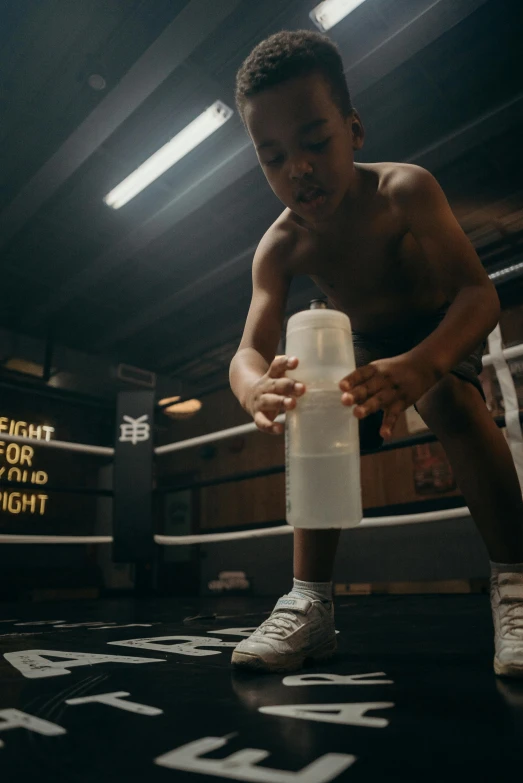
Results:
<point x="287" y="54"/>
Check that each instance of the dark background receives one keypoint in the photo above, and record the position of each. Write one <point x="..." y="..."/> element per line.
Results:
<point x="164" y="283"/>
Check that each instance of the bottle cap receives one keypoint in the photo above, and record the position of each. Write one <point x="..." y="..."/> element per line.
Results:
<point x="318" y="318"/>
<point x="318" y="304"/>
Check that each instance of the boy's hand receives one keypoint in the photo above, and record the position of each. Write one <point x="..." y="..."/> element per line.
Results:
<point x="391" y="385"/>
<point x="274" y="394"/>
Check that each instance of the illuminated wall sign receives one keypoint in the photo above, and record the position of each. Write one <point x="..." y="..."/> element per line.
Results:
<point x="16" y="464"/>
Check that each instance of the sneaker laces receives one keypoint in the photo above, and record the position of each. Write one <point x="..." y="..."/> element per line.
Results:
<point x="278" y="624"/>
<point x="511" y="617"/>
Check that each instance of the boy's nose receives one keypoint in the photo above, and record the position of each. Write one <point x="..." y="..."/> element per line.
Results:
<point x="299" y="168"/>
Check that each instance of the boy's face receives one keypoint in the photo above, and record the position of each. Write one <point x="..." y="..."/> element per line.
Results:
<point x="304" y="145"/>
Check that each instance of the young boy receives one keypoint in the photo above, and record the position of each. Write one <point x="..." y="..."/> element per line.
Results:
<point x="381" y="242"/>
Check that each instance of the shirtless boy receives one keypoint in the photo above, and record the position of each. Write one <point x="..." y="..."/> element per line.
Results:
<point x="381" y="242"/>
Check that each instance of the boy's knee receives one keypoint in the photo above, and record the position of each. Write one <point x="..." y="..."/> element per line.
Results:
<point x="449" y="405"/>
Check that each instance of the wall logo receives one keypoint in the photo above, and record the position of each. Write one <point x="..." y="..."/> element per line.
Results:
<point x="135" y="430"/>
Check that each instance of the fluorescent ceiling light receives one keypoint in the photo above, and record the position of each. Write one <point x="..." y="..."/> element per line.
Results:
<point x="330" y="12"/>
<point x="506" y="271"/>
<point x="175" y="149"/>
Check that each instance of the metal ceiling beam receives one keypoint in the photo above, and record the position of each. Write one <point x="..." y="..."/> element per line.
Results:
<point x="182" y="36"/>
<point x="452" y="146"/>
<point x="419" y="32"/>
<point x="174" y="362"/>
<point x="191" y="293"/>
<point x="431" y="23"/>
<point x="211" y="184"/>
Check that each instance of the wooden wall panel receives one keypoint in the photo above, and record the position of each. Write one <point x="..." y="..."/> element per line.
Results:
<point x="387" y="478"/>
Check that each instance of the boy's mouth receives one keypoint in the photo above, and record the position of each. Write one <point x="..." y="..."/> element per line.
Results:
<point x="310" y="194"/>
<point x="312" y="199"/>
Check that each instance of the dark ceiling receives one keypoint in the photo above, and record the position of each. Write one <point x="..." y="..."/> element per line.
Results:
<point x="164" y="282"/>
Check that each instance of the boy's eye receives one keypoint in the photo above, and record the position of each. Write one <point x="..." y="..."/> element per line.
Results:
<point x="319" y="146"/>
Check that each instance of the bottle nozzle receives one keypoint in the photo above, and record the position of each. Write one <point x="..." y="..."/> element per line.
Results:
<point x="318" y="304"/>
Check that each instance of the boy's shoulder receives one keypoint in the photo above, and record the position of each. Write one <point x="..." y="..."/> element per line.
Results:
<point x="400" y="183"/>
<point x="280" y="241"/>
<point x="405" y="187"/>
<point x="399" y="178"/>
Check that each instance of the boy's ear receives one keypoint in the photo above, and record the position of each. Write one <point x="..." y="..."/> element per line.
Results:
<point x="357" y="130"/>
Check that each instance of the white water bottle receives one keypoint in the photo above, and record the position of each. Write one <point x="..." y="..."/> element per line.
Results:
<point x="322" y="453"/>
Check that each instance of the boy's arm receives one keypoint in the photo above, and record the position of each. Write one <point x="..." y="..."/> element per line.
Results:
<point x="392" y="385"/>
<point x="453" y="266"/>
<point x="264" y="322"/>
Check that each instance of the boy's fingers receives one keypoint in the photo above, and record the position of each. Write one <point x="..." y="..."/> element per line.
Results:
<point x="281" y="364"/>
<point x="388" y="425"/>
<point x="378" y="402"/>
<point x="363" y="391"/>
<point x="390" y="418"/>
<point x="266" y="425"/>
<point x="361" y="375"/>
<point x="286" y="387"/>
<point x="275" y="402"/>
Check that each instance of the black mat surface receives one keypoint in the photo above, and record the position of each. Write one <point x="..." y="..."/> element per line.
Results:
<point x="411" y="695"/>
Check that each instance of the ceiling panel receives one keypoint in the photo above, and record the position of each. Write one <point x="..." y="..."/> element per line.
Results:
<point x="45" y="65"/>
<point x="165" y="282"/>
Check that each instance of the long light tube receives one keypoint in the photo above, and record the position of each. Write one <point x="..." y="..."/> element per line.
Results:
<point x="175" y="149"/>
<point x="506" y="271"/>
<point x="330" y="12"/>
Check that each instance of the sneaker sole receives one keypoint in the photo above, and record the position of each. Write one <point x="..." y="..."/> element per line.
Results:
<point x="508" y="669"/>
<point x="291" y="663"/>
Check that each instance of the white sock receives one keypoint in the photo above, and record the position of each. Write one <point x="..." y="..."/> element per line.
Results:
<point x="506" y="568"/>
<point x="316" y="591"/>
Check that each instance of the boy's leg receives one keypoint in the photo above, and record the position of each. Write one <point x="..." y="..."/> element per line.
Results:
<point x="485" y="473"/>
<point x="314" y="554"/>
<point x="482" y="464"/>
<point x="301" y="626"/>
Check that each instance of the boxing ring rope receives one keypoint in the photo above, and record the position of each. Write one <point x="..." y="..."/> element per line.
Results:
<point x="403" y="519"/>
<point x="14" y="539"/>
<point x="78" y="448"/>
<point x="508" y="353"/>
<point x="244" y="429"/>
<point x="496" y="358"/>
<point x="82" y="448"/>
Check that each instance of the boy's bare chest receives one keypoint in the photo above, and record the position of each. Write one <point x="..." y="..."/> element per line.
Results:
<point x="373" y="272"/>
<point x="360" y="260"/>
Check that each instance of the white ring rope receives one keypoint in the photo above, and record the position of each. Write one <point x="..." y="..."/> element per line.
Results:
<point x="510" y="400"/>
<point x="400" y="519"/>
<point x="508" y="353"/>
<point x="404" y="519"/>
<point x="84" y="448"/>
<point x="243" y="429"/>
<point x="14" y="539"/>
<point x="497" y="357"/>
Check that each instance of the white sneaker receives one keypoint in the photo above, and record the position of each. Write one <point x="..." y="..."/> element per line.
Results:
<point x="298" y="629"/>
<point x="506" y="595"/>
